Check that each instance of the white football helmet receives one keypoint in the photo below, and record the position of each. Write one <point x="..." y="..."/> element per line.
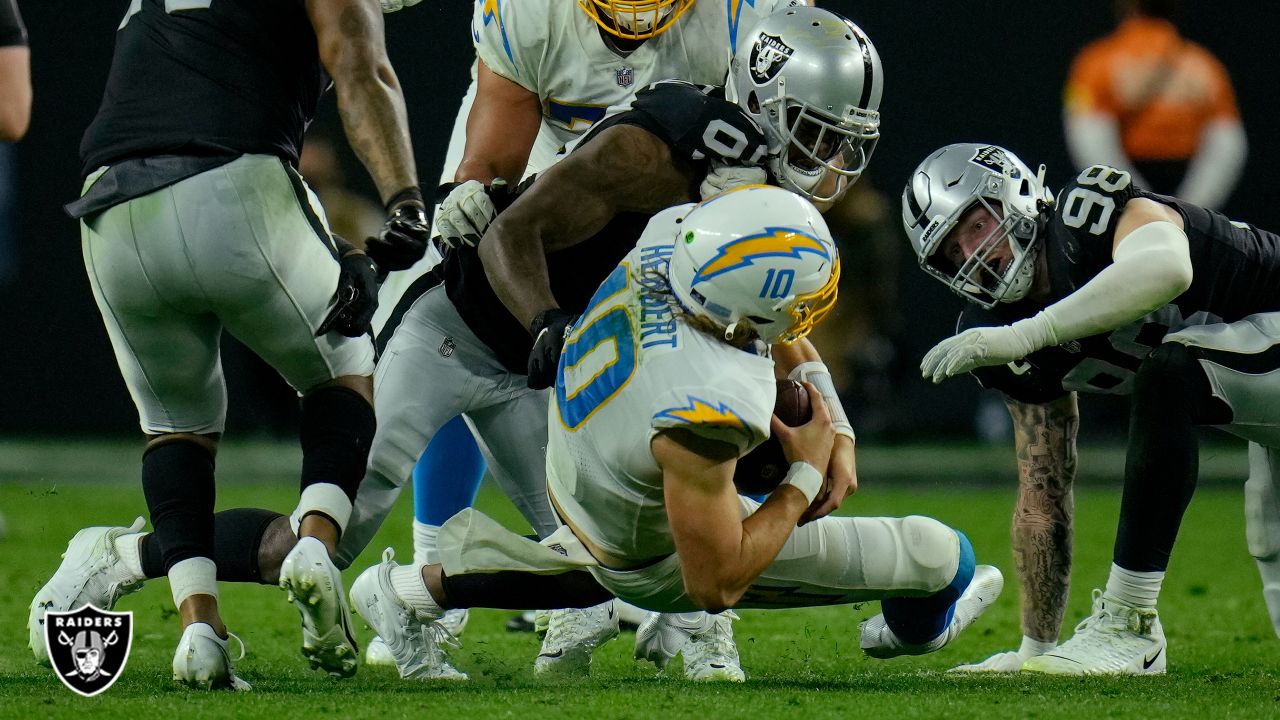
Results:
<point x="812" y="81"/>
<point x="635" y="19"/>
<point x="950" y="182"/>
<point x="758" y="257"/>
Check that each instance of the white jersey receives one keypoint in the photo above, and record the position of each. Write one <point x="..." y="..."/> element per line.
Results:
<point x="630" y="368"/>
<point x="553" y="49"/>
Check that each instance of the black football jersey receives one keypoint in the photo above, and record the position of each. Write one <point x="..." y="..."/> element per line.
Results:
<point x="207" y="78"/>
<point x="697" y="123"/>
<point x="1236" y="273"/>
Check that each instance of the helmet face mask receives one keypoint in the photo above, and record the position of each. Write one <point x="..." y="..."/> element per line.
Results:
<point x="755" y="262"/>
<point x="945" y="188"/>
<point x="635" y="19"/>
<point x="812" y="81"/>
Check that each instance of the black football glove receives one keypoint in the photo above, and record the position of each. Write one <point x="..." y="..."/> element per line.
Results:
<point x="549" y="328"/>
<point x="356" y="298"/>
<point x="404" y="236"/>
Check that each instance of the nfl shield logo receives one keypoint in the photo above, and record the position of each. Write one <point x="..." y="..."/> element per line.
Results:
<point x="88" y="647"/>
<point x="625" y="76"/>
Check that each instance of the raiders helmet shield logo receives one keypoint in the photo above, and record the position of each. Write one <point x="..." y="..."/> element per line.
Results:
<point x="992" y="158"/>
<point x="768" y="55"/>
<point x="88" y="647"/>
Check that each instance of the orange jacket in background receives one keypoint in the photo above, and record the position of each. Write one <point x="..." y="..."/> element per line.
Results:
<point x="1161" y="88"/>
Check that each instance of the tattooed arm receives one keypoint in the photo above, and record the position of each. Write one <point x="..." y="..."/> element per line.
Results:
<point x="1045" y="439"/>
<point x="349" y="34"/>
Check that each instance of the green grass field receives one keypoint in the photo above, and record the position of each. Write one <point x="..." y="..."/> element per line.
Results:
<point x="1224" y="660"/>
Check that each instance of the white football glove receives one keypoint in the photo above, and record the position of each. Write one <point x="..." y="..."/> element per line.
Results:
<point x="390" y="6"/>
<point x="975" y="348"/>
<point x="722" y="178"/>
<point x="465" y="213"/>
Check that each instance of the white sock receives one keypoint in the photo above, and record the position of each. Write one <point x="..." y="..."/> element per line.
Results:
<point x="1133" y="588"/>
<point x="193" y="576"/>
<point x="406" y="581"/>
<point x="1032" y="647"/>
<point x="128" y="549"/>
<point x="424" y="543"/>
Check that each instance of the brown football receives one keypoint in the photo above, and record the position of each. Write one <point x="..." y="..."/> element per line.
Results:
<point x="761" y="470"/>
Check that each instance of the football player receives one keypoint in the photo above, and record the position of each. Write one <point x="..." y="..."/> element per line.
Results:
<point x="1106" y="288"/>
<point x="667" y="380"/>
<point x="546" y="71"/>
<point x="628" y="168"/>
<point x="195" y="220"/>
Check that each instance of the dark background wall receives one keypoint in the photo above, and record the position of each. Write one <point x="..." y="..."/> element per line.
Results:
<point x="989" y="71"/>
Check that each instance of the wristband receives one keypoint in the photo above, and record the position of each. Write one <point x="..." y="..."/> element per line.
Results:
<point x="817" y="374"/>
<point x="805" y="478"/>
<point x="410" y="194"/>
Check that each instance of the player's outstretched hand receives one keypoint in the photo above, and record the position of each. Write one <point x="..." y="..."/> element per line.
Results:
<point x="723" y="178"/>
<point x="549" y="328"/>
<point x="974" y="348"/>
<point x="405" y="234"/>
<point x="468" y="209"/>
<point x="812" y="441"/>
<point x="356" y="299"/>
<point x="1004" y="662"/>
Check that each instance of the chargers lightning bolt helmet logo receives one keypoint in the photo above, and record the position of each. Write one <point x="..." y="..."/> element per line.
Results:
<point x="758" y="257"/>
<point x="773" y="242"/>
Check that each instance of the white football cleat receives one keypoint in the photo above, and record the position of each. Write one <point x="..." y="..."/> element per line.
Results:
<point x="1005" y="662"/>
<point x="710" y="655"/>
<point x="91" y="573"/>
<point x="315" y="588"/>
<point x="705" y="640"/>
<point x="413" y="638"/>
<point x="1115" y="640"/>
<point x="573" y="634"/>
<point x="880" y="642"/>
<point x="377" y="652"/>
<point x="629" y="616"/>
<point x="202" y="661"/>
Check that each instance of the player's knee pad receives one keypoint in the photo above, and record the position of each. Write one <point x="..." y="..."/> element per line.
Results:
<point x="177" y="481"/>
<point x="915" y="555"/>
<point x="934" y="551"/>
<point x="337" y="428"/>
<point x="1262" y="503"/>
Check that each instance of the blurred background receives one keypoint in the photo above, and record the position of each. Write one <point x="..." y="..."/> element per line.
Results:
<point x="990" y="71"/>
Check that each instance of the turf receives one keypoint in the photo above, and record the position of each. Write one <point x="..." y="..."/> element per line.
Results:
<point x="1224" y="658"/>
